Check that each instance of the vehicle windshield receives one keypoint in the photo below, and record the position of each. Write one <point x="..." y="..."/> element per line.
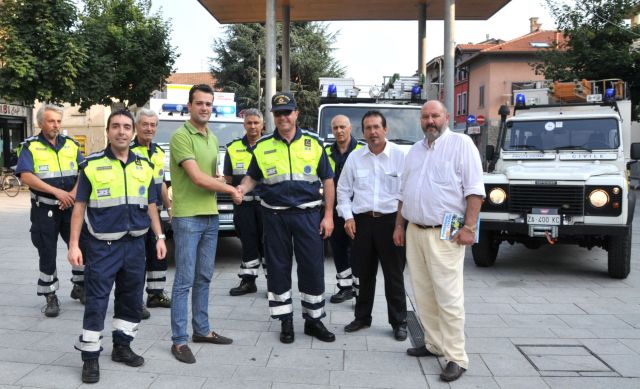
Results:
<point x="572" y="134"/>
<point x="224" y="131"/>
<point x="403" y="122"/>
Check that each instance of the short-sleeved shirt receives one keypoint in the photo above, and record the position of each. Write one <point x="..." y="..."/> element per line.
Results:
<point x="437" y="178"/>
<point x="189" y="144"/>
<point x="26" y="162"/>
<point x="291" y="192"/>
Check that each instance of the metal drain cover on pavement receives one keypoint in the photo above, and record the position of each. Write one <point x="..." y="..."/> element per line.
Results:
<point x="565" y="360"/>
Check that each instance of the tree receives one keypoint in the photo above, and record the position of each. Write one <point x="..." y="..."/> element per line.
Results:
<point x="128" y="53"/>
<point x="40" y="50"/>
<point x="235" y="67"/>
<point x="598" y="44"/>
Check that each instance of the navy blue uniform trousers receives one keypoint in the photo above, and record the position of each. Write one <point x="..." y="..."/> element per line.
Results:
<point x="47" y="223"/>
<point x="286" y="233"/>
<point x="247" y="218"/>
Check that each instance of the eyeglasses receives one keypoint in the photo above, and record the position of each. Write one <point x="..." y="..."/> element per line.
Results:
<point x="282" y="113"/>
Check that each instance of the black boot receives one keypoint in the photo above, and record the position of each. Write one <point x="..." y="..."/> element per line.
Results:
<point x="246" y="286"/>
<point x="52" y="309"/>
<point x="316" y="329"/>
<point x="91" y="371"/>
<point x="286" y="331"/>
<point x="77" y="293"/>
<point x="125" y="355"/>
<point x="342" y="296"/>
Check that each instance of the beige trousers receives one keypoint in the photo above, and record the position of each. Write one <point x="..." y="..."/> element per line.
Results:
<point x="436" y="275"/>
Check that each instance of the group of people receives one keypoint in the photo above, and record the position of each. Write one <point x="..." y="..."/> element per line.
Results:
<point x="284" y="185"/>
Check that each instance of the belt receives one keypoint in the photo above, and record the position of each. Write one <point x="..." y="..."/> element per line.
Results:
<point x="422" y="227"/>
<point x="375" y="214"/>
<point x="44" y="200"/>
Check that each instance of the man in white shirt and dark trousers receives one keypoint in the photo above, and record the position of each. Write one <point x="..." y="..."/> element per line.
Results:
<point x="443" y="174"/>
<point x="368" y="192"/>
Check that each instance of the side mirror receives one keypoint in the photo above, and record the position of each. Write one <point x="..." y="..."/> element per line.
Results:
<point x="635" y="151"/>
<point x="490" y="151"/>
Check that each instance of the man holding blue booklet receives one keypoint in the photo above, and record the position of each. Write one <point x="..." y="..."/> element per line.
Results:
<point x="442" y="175"/>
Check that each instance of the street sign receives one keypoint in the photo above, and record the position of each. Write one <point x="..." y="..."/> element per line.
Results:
<point x="480" y="120"/>
<point x="473" y="130"/>
<point x="471" y="119"/>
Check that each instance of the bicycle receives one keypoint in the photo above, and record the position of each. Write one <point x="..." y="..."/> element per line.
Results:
<point x="11" y="184"/>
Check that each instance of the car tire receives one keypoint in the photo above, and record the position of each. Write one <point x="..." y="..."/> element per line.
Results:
<point x="485" y="251"/>
<point x="619" y="255"/>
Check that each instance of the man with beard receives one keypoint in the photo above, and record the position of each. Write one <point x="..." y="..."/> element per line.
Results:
<point x="442" y="174"/>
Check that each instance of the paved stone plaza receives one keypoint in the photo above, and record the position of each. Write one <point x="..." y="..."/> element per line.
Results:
<point x="549" y="318"/>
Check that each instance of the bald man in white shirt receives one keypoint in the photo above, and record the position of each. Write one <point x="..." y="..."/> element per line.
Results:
<point x="443" y="174"/>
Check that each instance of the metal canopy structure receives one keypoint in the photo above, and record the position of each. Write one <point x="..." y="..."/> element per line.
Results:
<point x="252" y="11"/>
<point x="271" y="11"/>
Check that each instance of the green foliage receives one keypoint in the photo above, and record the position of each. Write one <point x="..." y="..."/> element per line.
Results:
<point x="129" y="55"/>
<point x="236" y="64"/>
<point x="114" y="50"/>
<point x="40" y="53"/>
<point x="599" y="44"/>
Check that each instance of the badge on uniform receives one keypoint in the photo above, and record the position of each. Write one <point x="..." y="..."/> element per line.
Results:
<point x="161" y="172"/>
<point x="272" y="171"/>
<point x="240" y="165"/>
<point x="307" y="169"/>
<point x="43" y="168"/>
<point x="138" y="162"/>
<point x="72" y="165"/>
<point x="104" y="192"/>
<point x="142" y="190"/>
<point x="307" y="144"/>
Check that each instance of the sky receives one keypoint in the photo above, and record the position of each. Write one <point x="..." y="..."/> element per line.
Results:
<point x="390" y="46"/>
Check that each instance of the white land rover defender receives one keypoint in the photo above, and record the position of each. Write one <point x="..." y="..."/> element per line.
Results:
<point x="562" y="176"/>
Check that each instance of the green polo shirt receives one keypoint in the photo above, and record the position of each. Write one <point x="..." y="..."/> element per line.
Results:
<point x="188" y="144"/>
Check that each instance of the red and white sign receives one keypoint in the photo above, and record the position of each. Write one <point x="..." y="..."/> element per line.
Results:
<point x="480" y="119"/>
<point x="13" y="110"/>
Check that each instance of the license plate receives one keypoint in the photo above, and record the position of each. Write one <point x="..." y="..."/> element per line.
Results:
<point x="548" y="220"/>
<point x="225" y="217"/>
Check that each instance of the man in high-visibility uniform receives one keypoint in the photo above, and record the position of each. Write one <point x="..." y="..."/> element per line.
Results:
<point x="247" y="217"/>
<point x="338" y="153"/>
<point x="117" y="191"/>
<point x="143" y="145"/>
<point x="291" y="164"/>
<point x="48" y="164"/>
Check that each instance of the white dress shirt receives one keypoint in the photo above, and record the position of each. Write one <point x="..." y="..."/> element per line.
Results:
<point x="438" y="178"/>
<point x="370" y="182"/>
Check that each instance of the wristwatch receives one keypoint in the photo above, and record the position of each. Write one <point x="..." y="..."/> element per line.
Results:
<point x="161" y="236"/>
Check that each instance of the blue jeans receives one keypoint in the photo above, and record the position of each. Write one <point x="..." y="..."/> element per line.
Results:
<point x="196" y="239"/>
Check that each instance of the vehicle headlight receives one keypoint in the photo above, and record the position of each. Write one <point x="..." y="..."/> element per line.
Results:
<point x="598" y="198"/>
<point x="497" y="196"/>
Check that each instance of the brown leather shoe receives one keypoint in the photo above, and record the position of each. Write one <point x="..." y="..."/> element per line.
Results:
<point x="213" y="338"/>
<point x="183" y="353"/>
<point x="452" y="372"/>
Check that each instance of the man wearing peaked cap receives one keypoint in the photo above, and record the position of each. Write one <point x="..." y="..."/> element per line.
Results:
<point x="291" y="164"/>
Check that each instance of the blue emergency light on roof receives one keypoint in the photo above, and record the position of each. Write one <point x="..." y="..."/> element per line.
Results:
<point x="609" y="94"/>
<point x="225" y="110"/>
<point x="521" y="100"/>
<point x="175" y="108"/>
<point x="416" y="92"/>
<point x="332" y="90"/>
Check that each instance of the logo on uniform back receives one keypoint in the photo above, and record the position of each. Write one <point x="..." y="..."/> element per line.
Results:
<point x="104" y="192"/>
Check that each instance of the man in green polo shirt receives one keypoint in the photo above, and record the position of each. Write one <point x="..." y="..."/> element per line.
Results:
<point x="194" y="160"/>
